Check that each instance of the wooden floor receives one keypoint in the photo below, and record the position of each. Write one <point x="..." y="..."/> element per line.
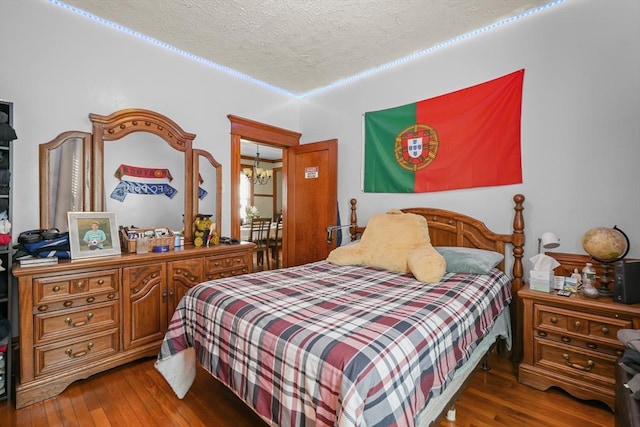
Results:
<point x="136" y="395"/>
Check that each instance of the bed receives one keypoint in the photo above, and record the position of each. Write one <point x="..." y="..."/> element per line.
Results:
<point x="350" y="345"/>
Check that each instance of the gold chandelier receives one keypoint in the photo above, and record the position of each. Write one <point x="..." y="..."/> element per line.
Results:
<point x="257" y="174"/>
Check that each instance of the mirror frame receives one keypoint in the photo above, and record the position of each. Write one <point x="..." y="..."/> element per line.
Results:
<point x="124" y="122"/>
<point x="112" y="128"/>
<point x="44" y="152"/>
<point x="197" y="154"/>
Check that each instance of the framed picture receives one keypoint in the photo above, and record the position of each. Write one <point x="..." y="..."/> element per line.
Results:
<point x="93" y="234"/>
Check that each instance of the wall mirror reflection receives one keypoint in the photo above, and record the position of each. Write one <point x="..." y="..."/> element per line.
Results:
<point x="133" y="184"/>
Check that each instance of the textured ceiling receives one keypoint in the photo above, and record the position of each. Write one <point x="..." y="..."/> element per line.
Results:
<point x="302" y="45"/>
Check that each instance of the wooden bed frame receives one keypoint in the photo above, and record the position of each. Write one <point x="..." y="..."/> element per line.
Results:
<point x="448" y="228"/>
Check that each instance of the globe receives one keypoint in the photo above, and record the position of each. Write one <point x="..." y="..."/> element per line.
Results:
<point x="606" y="244"/>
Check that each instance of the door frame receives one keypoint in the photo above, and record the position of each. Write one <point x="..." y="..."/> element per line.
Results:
<point x="243" y="128"/>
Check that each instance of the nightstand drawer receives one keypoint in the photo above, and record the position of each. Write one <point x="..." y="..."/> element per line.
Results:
<point x="74" y="323"/>
<point x="587" y="325"/>
<point x="574" y="362"/>
<point x="68" y="354"/>
<point x="582" y="343"/>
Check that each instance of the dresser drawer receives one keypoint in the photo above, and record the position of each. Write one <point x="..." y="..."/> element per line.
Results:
<point x="73" y="353"/>
<point x="590" y="326"/>
<point x="224" y="266"/>
<point x="72" y="323"/>
<point x="49" y="289"/>
<point x="75" y="302"/>
<point x="574" y="362"/>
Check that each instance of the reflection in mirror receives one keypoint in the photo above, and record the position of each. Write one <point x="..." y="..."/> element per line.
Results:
<point x="146" y="189"/>
<point x="208" y="175"/>
<point x="65" y="164"/>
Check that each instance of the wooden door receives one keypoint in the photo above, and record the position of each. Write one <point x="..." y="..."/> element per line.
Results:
<point x="311" y="173"/>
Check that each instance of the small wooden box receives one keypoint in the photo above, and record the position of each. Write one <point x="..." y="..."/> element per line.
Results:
<point x="129" y="245"/>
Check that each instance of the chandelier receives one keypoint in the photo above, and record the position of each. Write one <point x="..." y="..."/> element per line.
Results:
<point x="257" y="174"/>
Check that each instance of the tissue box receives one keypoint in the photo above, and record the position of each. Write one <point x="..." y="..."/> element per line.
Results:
<point x="541" y="280"/>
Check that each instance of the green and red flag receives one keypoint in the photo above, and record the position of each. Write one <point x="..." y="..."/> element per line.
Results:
<point x="463" y="139"/>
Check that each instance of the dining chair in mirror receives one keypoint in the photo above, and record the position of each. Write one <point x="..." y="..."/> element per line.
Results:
<point x="65" y="174"/>
<point x="207" y="178"/>
<point x="259" y="234"/>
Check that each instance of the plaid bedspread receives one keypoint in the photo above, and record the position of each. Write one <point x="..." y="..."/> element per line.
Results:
<point x="321" y="344"/>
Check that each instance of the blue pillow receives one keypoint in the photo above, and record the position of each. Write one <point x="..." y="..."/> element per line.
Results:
<point x="469" y="260"/>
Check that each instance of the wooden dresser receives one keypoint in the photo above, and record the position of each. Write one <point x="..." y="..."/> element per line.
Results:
<point x="81" y="317"/>
<point x="571" y="342"/>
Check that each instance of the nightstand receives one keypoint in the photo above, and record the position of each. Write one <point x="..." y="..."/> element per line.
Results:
<point x="571" y="342"/>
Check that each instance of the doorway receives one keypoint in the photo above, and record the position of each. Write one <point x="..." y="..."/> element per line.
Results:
<point x="249" y="130"/>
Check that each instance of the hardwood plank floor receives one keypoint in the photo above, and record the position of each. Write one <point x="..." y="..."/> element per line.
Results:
<point x="137" y="395"/>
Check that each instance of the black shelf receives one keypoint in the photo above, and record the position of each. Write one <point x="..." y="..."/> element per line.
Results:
<point x="6" y="256"/>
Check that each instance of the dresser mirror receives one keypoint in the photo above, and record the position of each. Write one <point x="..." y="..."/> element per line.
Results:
<point x="65" y="173"/>
<point x="136" y="163"/>
<point x="146" y="186"/>
<point x="208" y="176"/>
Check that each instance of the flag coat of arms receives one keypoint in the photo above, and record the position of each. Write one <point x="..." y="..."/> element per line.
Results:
<point x="467" y="138"/>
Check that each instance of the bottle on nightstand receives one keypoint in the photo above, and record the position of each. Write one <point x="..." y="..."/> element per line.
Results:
<point x="588" y="279"/>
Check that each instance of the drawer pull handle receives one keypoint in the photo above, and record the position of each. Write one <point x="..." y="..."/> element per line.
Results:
<point x="577" y="324"/>
<point x="605" y="330"/>
<point x="554" y="319"/>
<point x="565" y="339"/>
<point x="70" y="352"/>
<point x="178" y="271"/>
<point x="80" y="285"/>
<point x="69" y="321"/>
<point x="56" y="288"/>
<point x="587" y="368"/>
<point x="101" y="282"/>
<point x="91" y="299"/>
<point x="592" y="346"/>
<point x="619" y="353"/>
<point x="542" y="333"/>
<point x="209" y="277"/>
<point x="67" y="303"/>
<point x="154" y="275"/>
<point x="43" y="307"/>
<point x="111" y="296"/>
<point x="216" y="263"/>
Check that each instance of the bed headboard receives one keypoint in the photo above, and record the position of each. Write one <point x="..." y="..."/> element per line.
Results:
<point x="448" y="228"/>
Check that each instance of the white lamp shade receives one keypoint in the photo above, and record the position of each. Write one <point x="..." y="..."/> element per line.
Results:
<point x="548" y="240"/>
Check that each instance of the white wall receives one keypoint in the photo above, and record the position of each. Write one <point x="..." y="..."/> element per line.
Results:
<point x="580" y="118"/>
<point x="57" y="67"/>
<point x="580" y="121"/>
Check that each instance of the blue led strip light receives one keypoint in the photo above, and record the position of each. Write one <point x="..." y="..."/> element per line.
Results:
<point x="315" y="91"/>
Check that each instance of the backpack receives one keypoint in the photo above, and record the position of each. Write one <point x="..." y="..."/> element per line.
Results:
<point x="43" y="244"/>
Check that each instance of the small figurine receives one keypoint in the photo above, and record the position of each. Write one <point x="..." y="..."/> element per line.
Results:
<point x="576" y="275"/>
<point x="201" y="229"/>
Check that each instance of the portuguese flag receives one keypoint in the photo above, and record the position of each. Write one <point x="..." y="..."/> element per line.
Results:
<point x="467" y="138"/>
